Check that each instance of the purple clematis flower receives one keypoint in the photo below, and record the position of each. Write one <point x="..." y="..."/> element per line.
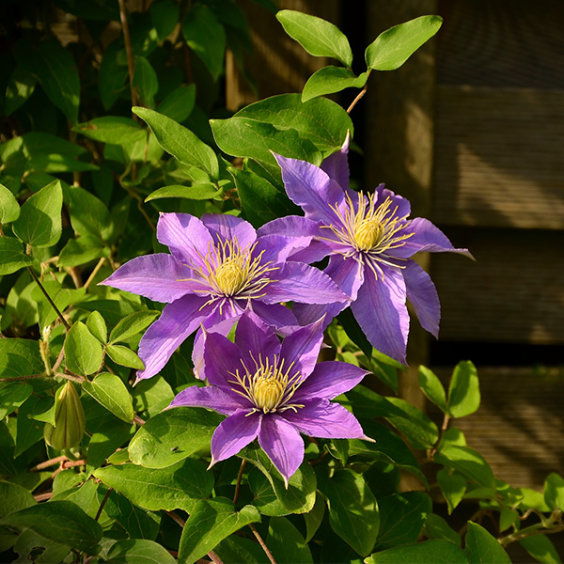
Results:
<point x="370" y="241"/>
<point x="217" y="269"/>
<point x="273" y="391"/>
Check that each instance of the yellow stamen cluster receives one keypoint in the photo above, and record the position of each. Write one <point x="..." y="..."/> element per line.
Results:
<point x="268" y="387"/>
<point x="230" y="271"/>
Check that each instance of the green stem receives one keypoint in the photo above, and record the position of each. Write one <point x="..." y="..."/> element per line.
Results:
<point x="360" y="94"/>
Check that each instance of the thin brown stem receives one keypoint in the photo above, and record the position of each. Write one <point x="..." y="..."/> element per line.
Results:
<point x="16" y="378"/>
<point x="128" y="51"/>
<point x="59" y="360"/>
<point x="73" y="463"/>
<point x="76" y="379"/>
<point x="138" y="420"/>
<point x="101" y="508"/>
<point x="360" y="95"/>
<point x="63" y="320"/>
<point x="43" y="497"/>
<point x="263" y="544"/>
<point x="47" y="463"/>
<point x="239" y="476"/>
<point x="94" y="272"/>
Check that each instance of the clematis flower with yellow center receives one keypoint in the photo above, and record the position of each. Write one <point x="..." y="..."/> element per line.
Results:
<point x="273" y="391"/>
<point x="370" y="240"/>
<point x="218" y="268"/>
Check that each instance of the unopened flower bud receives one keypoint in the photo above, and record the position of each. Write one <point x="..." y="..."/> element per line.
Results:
<point x="70" y="421"/>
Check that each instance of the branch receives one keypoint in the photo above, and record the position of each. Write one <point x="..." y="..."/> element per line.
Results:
<point x="129" y="52"/>
<point x="94" y="272"/>
<point x="263" y="544"/>
<point x="239" y="476"/>
<point x="360" y="94"/>
<point x="63" y="320"/>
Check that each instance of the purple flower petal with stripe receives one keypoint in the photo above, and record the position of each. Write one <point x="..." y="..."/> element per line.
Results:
<point x="272" y="392"/>
<point x="218" y="268"/>
<point x="373" y="233"/>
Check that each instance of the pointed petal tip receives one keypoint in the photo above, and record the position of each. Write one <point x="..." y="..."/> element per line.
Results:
<point x="368" y="439"/>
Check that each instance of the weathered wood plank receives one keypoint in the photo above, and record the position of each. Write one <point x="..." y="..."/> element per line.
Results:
<point x="499" y="157"/>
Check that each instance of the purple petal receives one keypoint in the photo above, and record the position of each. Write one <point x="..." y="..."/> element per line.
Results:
<point x="282" y="443"/>
<point x="330" y="379"/>
<point x="277" y="248"/>
<point x="225" y="227"/>
<point x="277" y="315"/>
<point x="400" y="206"/>
<point x="177" y="321"/>
<point x="348" y="274"/>
<point x="298" y="282"/>
<point x="325" y="420"/>
<point x="426" y="237"/>
<point x="302" y="347"/>
<point x="214" y="324"/>
<point x="221" y="359"/>
<point x="156" y="277"/>
<point x="235" y="433"/>
<point x="381" y="312"/>
<point x="311" y="188"/>
<point x="255" y="340"/>
<point x="209" y="397"/>
<point x="422" y="294"/>
<point x="186" y="237"/>
<point x="337" y="164"/>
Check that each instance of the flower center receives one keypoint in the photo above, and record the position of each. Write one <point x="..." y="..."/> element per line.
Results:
<point x="269" y="387"/>
<point x="368" y="233"/>
<point x="230" y="276"/>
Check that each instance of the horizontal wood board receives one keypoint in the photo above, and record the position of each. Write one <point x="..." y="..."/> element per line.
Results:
<point x="499" y="157"/>
<point x="514" y="292"/>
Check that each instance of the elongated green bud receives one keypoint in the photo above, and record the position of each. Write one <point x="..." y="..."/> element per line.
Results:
<point x="70" y="421"/>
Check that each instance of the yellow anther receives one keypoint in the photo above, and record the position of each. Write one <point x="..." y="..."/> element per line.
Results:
<point x="230" y="276"/>
<point x="368" y="233"/>
<point x="268" y="391"/>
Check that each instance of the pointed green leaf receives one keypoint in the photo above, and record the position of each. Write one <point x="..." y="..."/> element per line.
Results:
<point x="19" y="89"/>
<point x="89" y="215"/>
<point x="541" y="548"/>
<point x="432" y="388"/>
<point x="468" y="462"/>
<point x="83" y="352"/>
<point x="9" y="207"/>
<point x="211" y="521"/>
<point x="139" y="551"/>
<point x="194" y="192"/>
<point x="146" y="81"/>
<point x="179" y="103"/>
<point x="180" y="142"/>
<point x="554" y="491"/>
<point x="124" y="357"/>
<point x="428" y="552"/>
<point x="139" y="524"/>
<point x="39" y="224"/>
<point x="393" y="47"/>
<point x="14" y="498"/>
<point x="12" y="256"/>
<point x="109" y="390"/>
<point x="318" y="37"/>
<point x="286" y="543"/>
<point x="453" y="486"/>
<point x="12" y="395"/>
<point x="111" y="129"/>
<point x="132" y="325"/>
<point x="482" y="548"/>
<point x="97" y="326"/>
<point x="464" y="390"/>
<point x="329" y="80"/>
<point x="437" y="528"/>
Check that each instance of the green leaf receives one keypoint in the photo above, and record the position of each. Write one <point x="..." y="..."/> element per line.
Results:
<point x="437" y="528"/>
<point x="29" y="544"/>
<point x="179" y="141"/>
<point x="111" y="129"/>
<point x="151" y="396"/>
<point x="62" y="297"/>
<point x="83" y="352"/>
<point x="532" y="499"/>
<point x="354" y="332"/>
<point x="26" y="350"/>
<point x="146" y="81"/>
<point x="314" y="518"/>
<point x="286" y="543"/>
<point x="453" y="486"/>
<point x="9" y="207"/>
<point x="353" y="510"/>
<point x="179" y="486"/>
<point x="29" y="431"/>
<point x="329" y="80"/>
<point x="468" y="462"/>
<point x="261" y="201"/>
<point x="61" y="521"/>
<point x="179" y="103"/>
<point x="210" y="522"/>
<point x="464" y="390"/>
<point x="56" y="70"/>
<point x="428" y="552"/>
<point x="554" y="491"/>
<point x="318" y="37"/>
<point x="298" y="496"/>
<point x="194" y="192"/>
<point x="109" y="390"/>
<point x="139" y="551"/>
<point x="164" y="16"/>
<point x="138" y="523"/>
<point x="97" y="326"/>
<point x="482" y="548"/>
<point x="12" y="395"/>
<point x="14" y="498"/>
<point x="393" y="47"/>
<point x="107" y="437"/>
<point x="19" y="89"/>
<point x="432" y="388"/>
<point x="403" y="517"/>
<point x="172" y="436"/>
<point x="39" y="224"/>
<point x="206" y="37"/>
<point x="124" y="357"/>
<point x="321" y="121"/>
<point x="12" y="257"/>
<point x="265" y="499"/>
<point x="238" y="549"/>
<point x="541" y="548"/>
<point x="57" y="163"/>
<point x="132" y="325"/>
<point x="89" y="215"/>
<point x="112" y="76"/>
